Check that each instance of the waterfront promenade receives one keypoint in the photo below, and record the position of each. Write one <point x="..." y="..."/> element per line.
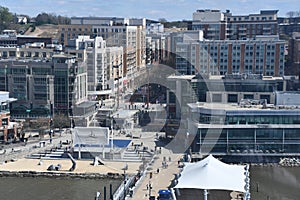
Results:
<point x="14" y="161"/>
<point x="160" y="180"/>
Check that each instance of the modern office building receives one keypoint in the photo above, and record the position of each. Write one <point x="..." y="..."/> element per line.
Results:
<point x="220" y="89"/>
<point x="70" y="83"/>
<point x="57" y="85"/>
<point x="262" y="55"/>
<point x="32" y="83"/>
<point x="248" y="129"/>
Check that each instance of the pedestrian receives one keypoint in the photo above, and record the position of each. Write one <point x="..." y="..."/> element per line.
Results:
<point x="169" y="158"/>
<point x="157" y="170"/>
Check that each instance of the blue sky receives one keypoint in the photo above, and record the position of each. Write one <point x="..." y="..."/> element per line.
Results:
<point x="152" y="9"/>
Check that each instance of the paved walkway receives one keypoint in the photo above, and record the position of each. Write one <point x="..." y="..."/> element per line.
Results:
<point x="19" y="150"/>
<point x="160" y="180"/>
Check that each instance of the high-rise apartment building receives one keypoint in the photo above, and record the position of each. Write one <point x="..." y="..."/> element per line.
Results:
<point x="116" y="34"/>
<point x="249" y="26"/>
<point x="218" y="25"/>
<point x="264" y="55"/>
<point x="104" y="64"/>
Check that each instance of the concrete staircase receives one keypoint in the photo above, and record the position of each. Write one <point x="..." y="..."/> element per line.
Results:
<point x="136" y="155"/>
<point x="49" y="154"/>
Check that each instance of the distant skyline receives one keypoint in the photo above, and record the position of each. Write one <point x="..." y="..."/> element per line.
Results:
<point x="152" y="9"/>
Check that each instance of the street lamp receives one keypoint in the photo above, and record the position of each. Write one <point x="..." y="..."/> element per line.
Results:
<point x="118" y="78"/>
<point x="124" y="169"/>
<point x="112" y="132"/>
<point x="150" y="187"/>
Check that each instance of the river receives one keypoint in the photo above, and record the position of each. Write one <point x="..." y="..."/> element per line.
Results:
<point x="275" y="183"/>
<point x="40" y="188"/>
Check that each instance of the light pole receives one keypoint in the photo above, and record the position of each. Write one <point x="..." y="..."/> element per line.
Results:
<point x="118" y="78"/>
<point x="125" y="168"/>
<point x="150" y="187"/>
<point x="112" y="132"/>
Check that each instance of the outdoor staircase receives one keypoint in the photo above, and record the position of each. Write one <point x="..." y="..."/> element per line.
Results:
<point x="49" y="154"/>
<point x="136" y="155"/>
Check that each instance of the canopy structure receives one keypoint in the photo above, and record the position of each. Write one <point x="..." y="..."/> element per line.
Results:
<point x="212" y="174"/>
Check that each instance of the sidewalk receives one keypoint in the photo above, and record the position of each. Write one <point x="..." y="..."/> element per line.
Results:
<point x="21" y="150"/>
<point x="161" y="180"/>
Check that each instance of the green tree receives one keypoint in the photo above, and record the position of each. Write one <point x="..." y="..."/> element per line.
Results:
<point x="162" y="20"/>
<point x="6" y="18"/>
<point x="47" y="18"/>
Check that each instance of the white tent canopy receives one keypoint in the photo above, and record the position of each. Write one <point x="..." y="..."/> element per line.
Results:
<point x="212" y="174"/>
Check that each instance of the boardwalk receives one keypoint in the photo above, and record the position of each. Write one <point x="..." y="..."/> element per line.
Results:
<point x="160" y="180"/>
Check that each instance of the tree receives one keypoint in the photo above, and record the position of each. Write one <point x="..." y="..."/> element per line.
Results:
<point x="5" y="18"/>
<point x="47" y="18"/>
<point x="291" y="14"/>
<point x="162" y="20"/>
<point x="60" y="121"/>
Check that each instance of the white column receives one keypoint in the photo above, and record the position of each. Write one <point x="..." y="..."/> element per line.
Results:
<point x="79" y="152"/>
<point x="205" y="194"/>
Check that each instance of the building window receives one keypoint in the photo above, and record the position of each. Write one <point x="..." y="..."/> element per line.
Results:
<point x="232" y="98"/>
<point x="248" y="96"/>
<point x="216" y="97"/>
<point x="4" y="122"/>
<point x="267" y="97"/>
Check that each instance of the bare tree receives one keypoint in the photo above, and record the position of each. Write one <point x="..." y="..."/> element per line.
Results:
<point x="291" y="14"/>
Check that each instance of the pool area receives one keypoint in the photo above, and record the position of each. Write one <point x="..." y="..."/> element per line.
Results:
<point x="116" y="142"/>
<point x="102" y="150"/>
<point x="121" y="143"/>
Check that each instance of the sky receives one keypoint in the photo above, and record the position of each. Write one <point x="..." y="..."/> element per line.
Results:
<point x="151" y="9"/>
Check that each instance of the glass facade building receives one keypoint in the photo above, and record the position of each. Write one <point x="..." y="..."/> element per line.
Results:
<point x="251" y="129"/>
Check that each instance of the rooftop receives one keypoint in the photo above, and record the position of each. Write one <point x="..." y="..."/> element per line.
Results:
<point x="246" y="105"/>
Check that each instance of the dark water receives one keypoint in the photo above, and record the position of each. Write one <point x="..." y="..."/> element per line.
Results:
<point x="275" y="183"/>
<point x="12" y="188"/>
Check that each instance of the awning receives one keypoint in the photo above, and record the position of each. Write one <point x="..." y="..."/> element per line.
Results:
<point x="212" y="174"/>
